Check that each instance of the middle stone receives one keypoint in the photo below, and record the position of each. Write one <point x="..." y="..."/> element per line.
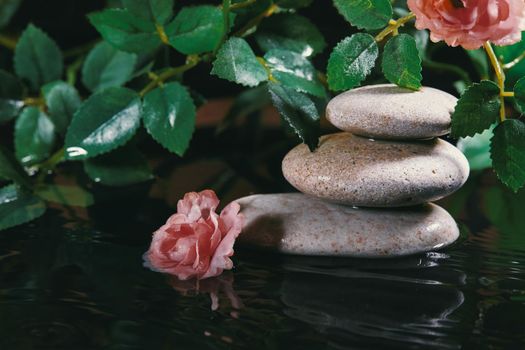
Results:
<point x="357" y="171"/>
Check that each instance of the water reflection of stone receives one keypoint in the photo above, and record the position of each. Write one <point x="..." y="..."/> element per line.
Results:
<point x="398" y="307"/>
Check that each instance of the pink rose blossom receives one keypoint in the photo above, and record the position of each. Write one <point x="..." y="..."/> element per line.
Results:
<point x="196" y="241"/>
<point x="470" y="23"/>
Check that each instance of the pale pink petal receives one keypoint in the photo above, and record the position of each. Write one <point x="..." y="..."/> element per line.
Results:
<point x="473" y="24"/>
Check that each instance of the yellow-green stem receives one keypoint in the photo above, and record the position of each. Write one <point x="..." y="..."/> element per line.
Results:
<point x="393" y="27"/>
<point x="500" y="76"/>
<point x="7" y="42"/>
<point x="255" y="21"/>
<point x="50" y="164"/>
<point x="191" y="62"/>
<point x="241" y="5"/>
<point x="514" y="62"/>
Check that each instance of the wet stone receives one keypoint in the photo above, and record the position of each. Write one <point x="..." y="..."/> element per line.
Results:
<point x="353" y="170"/>
<point x="295" y="223"/>
<point x="387" y="111"/>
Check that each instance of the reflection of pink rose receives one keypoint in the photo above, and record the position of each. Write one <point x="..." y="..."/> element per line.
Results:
<point x="212" y="286"/>
<point x="470" y="23"/>
<point x="196" y="241"/>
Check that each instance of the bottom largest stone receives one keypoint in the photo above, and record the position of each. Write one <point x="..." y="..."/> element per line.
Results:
<point x="295" y="223"/>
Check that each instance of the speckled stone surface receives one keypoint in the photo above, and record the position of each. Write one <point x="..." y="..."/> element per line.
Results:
<point x="298" y="224"/>
<point x="353" y="170"/>
<point x="390" y="112"/>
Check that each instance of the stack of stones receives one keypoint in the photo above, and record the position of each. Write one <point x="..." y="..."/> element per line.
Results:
<point x="365" y="191"/>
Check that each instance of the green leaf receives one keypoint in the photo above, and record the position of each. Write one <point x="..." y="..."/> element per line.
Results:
<point x="508" y="153"/>
<point x="34" y="136"/>
<point x="477" y="109"/>
<point x="157" y="11"/>
<point x="365" y="14"/>
<point x="477" y="149"/>
<point x="62" y="102"/>
<point x="105" y="121"/>
<point x="67" y="195"/>
<point x="294" y="71"/>
<point x="196" y="29"/>
<point x="37" y="58"/>
<point x="125" y="31"/>
<point x="236" y="62"/>
<point x="169" y="116"/>
<point x="298" y="111"/>
<point x="17" y="207"/>
<point x="10" y="96"/>
<point x="10" y="169"/>
<point x="401" y="62"/>
<point x="519" y="94"/>
<point x="351" y="61"/>
<point x="291" y="32"/>
<point x="293" y="4"/>
<point x="7" y="10"/>
<point x="123" y="167"/>
<point x="106" y="67"/>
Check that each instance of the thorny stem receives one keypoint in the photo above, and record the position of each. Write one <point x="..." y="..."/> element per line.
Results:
<point x="191" y="62"/>
<point x="7" y="42"/>
<point x="256" y="20"/>
<point x="514" y="62"/>
<point x="262" y="61"/>
<point x="50" y="164"/>
<point x="500" y="76"/>
<point x="393" y="27"/>
<point x="241" y="5"/>
<point x="226" y="6"/>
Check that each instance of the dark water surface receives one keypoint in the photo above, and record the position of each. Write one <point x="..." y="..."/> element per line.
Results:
<point x="74" y="280"/>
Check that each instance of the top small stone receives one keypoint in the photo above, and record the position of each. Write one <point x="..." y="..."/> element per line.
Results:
<point x="387" y="111"/>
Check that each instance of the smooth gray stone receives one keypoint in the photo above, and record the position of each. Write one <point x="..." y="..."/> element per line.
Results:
<point x="353" y="170"/>
<point x="295" y="223"/>
<point x="389" y="112"/>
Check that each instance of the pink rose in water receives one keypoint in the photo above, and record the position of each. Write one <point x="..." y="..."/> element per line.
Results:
<point x="196" y="241"/>
<point x="470" y="23"/>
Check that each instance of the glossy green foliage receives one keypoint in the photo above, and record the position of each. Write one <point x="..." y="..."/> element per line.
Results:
<point x="34" y="136"/>
<point x="508" y="153"/>
<point x="351" y="61"/>
<point x="10" y="96"/>
<point x="365" y="14"/>
<point x="7" y="10"/>
<point x="10" y="169"/>
<point x="106" y="67"/>
<point x="298" y="111"/>
<point x="62" y="102"/>
<point x="196" y="29"/>
<point x="401" y="63"/>
<point x="237" y="63"/>
<point x="157" y="11"/>
<point x="290" y="32"/>
<point x="294" y="71"/>
<point x="126" y="31"/>
<point x="169" y="116"/>
<point x="519" y="94"/>
<point x="18" y="207"/>
<point x="37" y="58"/>
<point x="476" y="110"/>
<point x="105" y="121"/>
